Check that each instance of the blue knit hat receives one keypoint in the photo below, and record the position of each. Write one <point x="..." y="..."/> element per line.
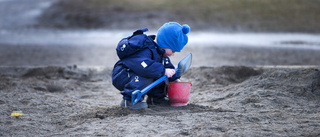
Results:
<point x="173" y="36"/>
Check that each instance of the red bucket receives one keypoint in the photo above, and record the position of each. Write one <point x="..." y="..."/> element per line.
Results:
<point x="179" y="93"/>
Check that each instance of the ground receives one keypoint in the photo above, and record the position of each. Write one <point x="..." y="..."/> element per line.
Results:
<point x="237" y="90"/>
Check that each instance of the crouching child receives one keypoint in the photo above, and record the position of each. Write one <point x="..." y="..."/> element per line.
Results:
<point x="142" y="61"/>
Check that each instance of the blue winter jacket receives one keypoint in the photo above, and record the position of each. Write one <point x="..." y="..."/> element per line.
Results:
<point x="140" y="53"/>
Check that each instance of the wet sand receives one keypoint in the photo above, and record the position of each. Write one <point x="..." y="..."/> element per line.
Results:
<point x="65" y="90"/>
<point x="214" y="56"/>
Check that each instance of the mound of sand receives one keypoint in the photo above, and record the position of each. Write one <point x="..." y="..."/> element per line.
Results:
<point x="228" y="100"/>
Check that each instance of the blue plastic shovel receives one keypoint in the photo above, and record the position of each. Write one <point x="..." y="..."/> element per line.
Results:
<point x="183" y="66"/>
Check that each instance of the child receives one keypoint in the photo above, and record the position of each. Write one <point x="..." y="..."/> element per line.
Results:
<point x="142" y="61"/>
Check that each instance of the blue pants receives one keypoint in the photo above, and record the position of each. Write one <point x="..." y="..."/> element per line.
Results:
<point x="128" y="81"/>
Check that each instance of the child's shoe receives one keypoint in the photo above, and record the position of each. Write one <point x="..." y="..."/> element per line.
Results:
<point x="138" y="105"/>
<point x="158" y="101"/>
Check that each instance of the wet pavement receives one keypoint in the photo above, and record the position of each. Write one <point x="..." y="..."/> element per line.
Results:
<point x="20" y="14"/>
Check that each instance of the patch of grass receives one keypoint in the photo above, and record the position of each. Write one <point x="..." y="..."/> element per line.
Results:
<point x="230" y="15"/>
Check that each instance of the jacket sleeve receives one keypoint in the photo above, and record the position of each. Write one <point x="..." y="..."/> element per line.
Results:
<point x="168" y="64"/>
<point x="142" y="64"/>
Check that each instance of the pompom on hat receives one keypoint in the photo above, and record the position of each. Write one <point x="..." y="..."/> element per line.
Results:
<point x="173" y="36"/>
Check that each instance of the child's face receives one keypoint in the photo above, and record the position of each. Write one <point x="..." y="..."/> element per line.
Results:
<point x="169" y="52"/>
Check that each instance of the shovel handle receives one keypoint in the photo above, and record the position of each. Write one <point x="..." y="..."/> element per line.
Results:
<point x="136" y="95"/>
<point x="183" y="66"/>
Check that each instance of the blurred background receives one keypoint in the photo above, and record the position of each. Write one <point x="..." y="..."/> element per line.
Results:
<point x="213" y="15"/>
<point x="223" y="32"/>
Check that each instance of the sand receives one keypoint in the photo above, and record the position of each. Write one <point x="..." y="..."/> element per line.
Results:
<point x="65" y="90"/>
<point x="236" y="91"/>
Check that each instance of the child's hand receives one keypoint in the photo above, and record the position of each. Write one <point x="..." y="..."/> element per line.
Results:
<point x="170" y="72"/>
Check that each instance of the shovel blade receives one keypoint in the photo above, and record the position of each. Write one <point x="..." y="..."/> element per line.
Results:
<point x="184" y="64"/>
